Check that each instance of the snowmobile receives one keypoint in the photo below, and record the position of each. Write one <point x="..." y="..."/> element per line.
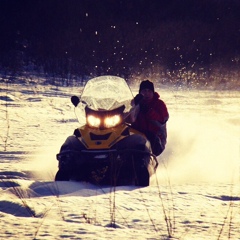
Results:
<point x="105" y="149"/>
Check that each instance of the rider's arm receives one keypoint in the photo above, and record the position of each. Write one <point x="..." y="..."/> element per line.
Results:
<point x="158" y="113"/>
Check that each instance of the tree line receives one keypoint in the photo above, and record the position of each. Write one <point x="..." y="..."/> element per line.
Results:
<point x="178" y="39"/>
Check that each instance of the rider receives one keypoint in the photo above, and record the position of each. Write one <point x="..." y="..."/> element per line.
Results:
<point x="152" y="116"/>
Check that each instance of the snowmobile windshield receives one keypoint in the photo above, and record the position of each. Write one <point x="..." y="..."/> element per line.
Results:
<point x="107" y="93"/>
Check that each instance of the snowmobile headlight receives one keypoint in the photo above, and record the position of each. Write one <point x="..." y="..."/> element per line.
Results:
<point x="93" y="121"/>
<point x="112" y="121"/>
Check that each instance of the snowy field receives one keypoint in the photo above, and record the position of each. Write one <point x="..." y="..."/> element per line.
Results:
<point x="194" y="195"/>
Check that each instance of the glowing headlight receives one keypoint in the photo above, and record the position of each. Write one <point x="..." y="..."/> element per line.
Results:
<point x="93" y="121"/>
<point x="112" y="121"/>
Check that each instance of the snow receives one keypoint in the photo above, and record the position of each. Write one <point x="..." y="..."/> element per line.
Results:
<point x="194" y="195"/>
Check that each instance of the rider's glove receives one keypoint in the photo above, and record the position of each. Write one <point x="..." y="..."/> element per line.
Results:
<point x="138" y="98"/>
